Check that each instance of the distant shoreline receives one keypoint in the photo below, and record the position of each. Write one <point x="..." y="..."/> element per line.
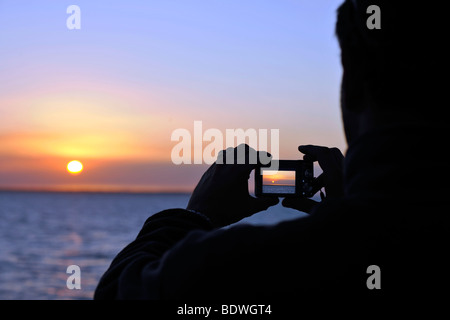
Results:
<point x="93" y="191"/>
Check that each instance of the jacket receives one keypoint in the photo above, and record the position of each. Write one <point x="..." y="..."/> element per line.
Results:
<point x="394" y="216"/>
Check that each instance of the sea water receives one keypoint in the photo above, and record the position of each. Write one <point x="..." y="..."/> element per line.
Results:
<point x="42" y="233"/>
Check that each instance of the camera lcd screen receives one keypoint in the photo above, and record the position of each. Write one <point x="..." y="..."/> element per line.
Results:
<point x="278" y="182"/>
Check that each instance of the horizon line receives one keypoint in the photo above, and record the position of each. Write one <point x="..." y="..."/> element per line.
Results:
<point x="95" y="190"/>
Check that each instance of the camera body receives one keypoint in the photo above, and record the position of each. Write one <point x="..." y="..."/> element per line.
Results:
<point x="285" y="178"/>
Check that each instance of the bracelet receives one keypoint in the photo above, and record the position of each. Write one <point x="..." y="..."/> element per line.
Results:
<point x="200" y="214"/>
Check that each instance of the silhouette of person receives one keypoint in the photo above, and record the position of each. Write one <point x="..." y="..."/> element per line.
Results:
<point x="386" y="203"/>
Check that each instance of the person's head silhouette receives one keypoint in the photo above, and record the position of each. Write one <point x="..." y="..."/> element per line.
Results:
<point x="394" y="73"/>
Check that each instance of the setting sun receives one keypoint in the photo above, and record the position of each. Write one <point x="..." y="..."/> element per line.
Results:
<point x="74" y="167"/>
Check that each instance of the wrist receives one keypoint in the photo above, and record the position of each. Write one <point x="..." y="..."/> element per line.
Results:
<point x="200" y="214"/>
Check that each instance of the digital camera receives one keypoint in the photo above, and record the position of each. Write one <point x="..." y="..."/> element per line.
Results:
<point x="285" y="178"/>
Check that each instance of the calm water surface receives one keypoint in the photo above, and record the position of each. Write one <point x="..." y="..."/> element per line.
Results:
<point x="41" y="234"/>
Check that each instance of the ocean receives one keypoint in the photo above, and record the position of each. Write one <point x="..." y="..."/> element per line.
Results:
<point x="277" y="188"/>
<point x="43" y="233"/>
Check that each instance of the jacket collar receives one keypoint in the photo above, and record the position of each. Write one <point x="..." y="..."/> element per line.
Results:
<point x="405" y="160"/>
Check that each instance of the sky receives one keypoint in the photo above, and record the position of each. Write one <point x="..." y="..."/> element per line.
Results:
<point x="111" y="93"/>
<point x="278" y="177"/>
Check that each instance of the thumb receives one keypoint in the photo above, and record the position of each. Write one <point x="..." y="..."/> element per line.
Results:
<point x="302" y="204"/>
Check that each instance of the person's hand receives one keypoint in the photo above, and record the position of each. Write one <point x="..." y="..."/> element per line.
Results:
<point x="331" y="160"/>
<point x="222" y="193"/>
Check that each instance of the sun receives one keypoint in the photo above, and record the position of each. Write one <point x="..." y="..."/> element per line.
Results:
<point x="74" y="167"/>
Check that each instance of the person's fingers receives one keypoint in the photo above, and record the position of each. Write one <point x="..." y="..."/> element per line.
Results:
<point x="243" y="159"/>
<point x="337" y="154"/>
<point x="329" y="158"/>
<point x="316" y="153"/>
<point x="243" y="154"/>
<point x="302" y="204"/>
<point x="310" y="158"/>
<point x="250" y="157"/>
<point x="318" y="183"/>
<point x="313" y="153"/>
<point x="223" y="155"/>
<point x="264" y="158"/>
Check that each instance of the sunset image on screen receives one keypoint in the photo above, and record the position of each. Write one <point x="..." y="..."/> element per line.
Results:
<point x="278" y="181"/>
